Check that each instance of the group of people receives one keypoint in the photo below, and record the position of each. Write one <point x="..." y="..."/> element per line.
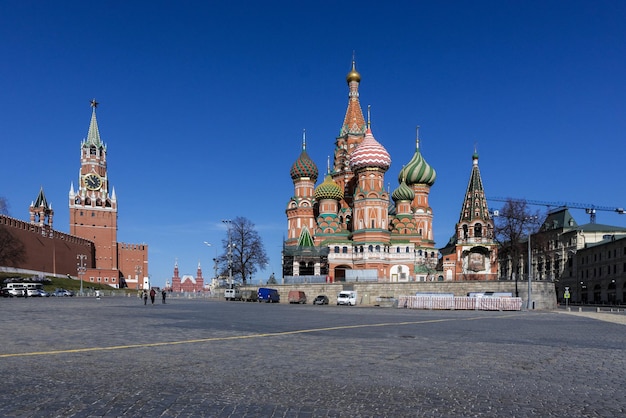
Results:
<point x="152" y="294"/>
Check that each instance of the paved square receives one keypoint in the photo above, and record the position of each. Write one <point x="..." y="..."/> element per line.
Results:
<point x="116" y="357"/>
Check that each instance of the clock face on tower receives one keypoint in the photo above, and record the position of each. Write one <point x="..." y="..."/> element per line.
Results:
<point x="93" y="181"/>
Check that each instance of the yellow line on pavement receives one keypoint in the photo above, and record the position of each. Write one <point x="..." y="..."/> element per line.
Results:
<point x="238" y="337"/>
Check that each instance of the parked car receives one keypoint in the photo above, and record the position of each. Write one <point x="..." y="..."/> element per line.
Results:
<point x="42" y="293"/>
<point x="268" y="295"/>
<point x="249" y="295"/>
<point x="346" y="298"/>
<point x="296" y="296"/>
<point x="15" y="292"/>
<point x="34" y="293"/>
<point x="6" y="293"/>
<point x="320" y="300"/>
<point x="232" y="294"/>
<point x="63" y="292"/>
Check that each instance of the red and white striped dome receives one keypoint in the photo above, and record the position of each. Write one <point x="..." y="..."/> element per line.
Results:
<point x="370" y="153"/>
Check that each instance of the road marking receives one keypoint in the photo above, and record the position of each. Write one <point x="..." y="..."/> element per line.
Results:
<point x="240" y="337"/>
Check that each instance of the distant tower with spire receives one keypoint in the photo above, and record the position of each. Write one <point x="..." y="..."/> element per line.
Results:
<point x="472" y="252"/>
<point x="41" y="212"/>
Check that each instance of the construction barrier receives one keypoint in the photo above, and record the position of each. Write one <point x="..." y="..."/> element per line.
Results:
<point x="461" y="303"/>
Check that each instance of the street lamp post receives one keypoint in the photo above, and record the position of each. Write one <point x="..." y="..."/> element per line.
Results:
<point x="81" y="269"/>
<point x="530" y="264"/>
<point x="137" y="276"/>
<point x="530" y="272"/>
<point x="228" y="222"/>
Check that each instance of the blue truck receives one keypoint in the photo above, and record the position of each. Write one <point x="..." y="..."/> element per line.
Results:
<point x="268" y="295"/>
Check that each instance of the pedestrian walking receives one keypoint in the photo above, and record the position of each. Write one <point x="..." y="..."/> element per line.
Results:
<point x="145" y="297"/>
<point x="163" y="295"/>
<point x="152" y="295"/>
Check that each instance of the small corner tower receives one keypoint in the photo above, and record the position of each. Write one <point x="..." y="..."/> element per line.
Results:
<point x="475" y="249"/>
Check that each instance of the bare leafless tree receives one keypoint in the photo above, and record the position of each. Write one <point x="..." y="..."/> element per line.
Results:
<point x="12" y="251"/>
<point x="248" y="252"/>
<point x="4" y="206"/>
<point x="514" y="223"/>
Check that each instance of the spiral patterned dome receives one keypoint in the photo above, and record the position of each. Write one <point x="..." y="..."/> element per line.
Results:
<point x="370" y="153"/>
<point x="304" y="167"/>
<point x="417" y="171"/>
<point x="328" y="190"/>
<point x="403" y="192"/>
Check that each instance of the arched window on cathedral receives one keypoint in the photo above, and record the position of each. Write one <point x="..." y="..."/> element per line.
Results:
<point x="378" y="248"/>
<point x="107" y="203"/>
<point x="406" y="250"/>
<point x="397" y="249"/>
<point x="370" y="248"/>
<point x="465" y="231"/>
<point x="336" y="250"/>
<point x="419" y="253"/>
<point x="478" y="230"/>
<point x="344" y="250"/>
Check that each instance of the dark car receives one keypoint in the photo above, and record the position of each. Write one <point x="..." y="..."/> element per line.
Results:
<point x="321" y="300"/>
<point x="6" y="293"/>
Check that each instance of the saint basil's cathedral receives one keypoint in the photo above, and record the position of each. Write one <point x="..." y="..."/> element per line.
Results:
<point x="350" y="228"/>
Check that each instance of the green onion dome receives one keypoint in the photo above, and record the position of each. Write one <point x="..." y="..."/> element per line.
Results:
<point x="403" y="192"/>
<point x="417" y="171"/>
<point x="328" y="190"/>
<point x="304" y="167"/>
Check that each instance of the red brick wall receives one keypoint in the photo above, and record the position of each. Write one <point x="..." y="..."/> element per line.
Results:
<point x="47" y="250"/>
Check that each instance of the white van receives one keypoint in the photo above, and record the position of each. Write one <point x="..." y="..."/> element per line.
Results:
<point x="232" y="294"/>
<point x="346" y="297"/>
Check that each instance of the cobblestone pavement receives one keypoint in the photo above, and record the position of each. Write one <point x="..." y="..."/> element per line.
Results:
<point x="79" y="357"/>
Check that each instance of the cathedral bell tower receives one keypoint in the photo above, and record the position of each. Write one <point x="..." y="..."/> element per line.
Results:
<point x="93" y="209"/>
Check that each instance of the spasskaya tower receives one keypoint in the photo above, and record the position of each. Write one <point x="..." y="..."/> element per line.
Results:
<point x="93" y="215"/>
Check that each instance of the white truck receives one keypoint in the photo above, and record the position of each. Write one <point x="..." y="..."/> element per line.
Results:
<point x="346" y="297"/>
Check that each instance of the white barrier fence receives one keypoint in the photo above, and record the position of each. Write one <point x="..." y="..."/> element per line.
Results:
<point x="461" y="303"/>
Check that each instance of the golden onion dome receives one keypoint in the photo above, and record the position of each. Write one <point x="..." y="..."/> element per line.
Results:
<point x="353" y="75"/>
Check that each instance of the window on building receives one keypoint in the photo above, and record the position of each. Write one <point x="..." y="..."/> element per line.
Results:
<point x="336" y="250"/>
<point x="344" y="250"/>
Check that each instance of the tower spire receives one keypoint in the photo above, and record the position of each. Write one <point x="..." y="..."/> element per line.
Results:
<point x="93" y="135"/>
<point x="417" y="137"/>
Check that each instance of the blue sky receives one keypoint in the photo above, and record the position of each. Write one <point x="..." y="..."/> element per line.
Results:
<point x="202" y="106"/>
